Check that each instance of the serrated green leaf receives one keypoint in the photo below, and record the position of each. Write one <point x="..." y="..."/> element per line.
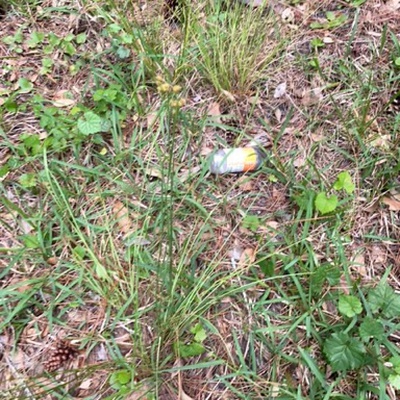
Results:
<point x="199" y="333"/>
<point x="349" y="306"/>
<point x="325" y="204"/>
<point x="344" y="352"/>
<point x="90" y="123"/>
<point x="371" y="328"/>
<point x="54" y="40"/>
<point x="35" y="39"/>
<point x="384" y="299"/>
<point x="344" y="182"/>
<point x="251" y="222"/>
<point x="123" y="52"/>
<point x="25" y="85"/>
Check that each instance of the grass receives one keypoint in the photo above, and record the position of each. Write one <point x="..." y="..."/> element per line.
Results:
<point x="171" y="282"/>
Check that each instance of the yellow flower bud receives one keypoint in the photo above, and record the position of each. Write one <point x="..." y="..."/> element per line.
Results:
<point x="176" y="88"/>
<point x="164" y="87"/>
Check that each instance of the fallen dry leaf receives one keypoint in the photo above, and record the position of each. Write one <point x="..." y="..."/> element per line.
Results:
<point x="122" y="215"/>
<point x="392" y="5"/>
<point x="280" y="90"/>
<point x="358" y="264"/>
<point x="287" y="16"/>
<point x="86" y="384"/>
<point x="228" y="95"/>
<point x="312" y="97"/>
<point x="184" y="396"/>
<point x="188" y="172"/>
<point x="248" y="257"/>
<point x="317" y="137"/>
<point x="245" y="184"/>
<point x="214" y="111"/>
<point x="381" y="141"/>
<point x="63" y="98"/>
<point x="394" y="205"/>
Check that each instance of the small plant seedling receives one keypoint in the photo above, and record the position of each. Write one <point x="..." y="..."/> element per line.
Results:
<point x="325" y="204"/>
<point x="28" y="180"/>
<point x="120" y="380"/>
<point x="14" y="41"/>
<point x="317" y="43"/>
<point x="91" y="123"/>
<point x="25" y="85"/>
<point x="251" y="222"/>
<point x="192" y="348"/>
<point x="35" y="39"/>
<point x="344" y="182"/>
<point x="344" y="352"/>
<point x="333" y="20"/>
<point x="349" y="306"/>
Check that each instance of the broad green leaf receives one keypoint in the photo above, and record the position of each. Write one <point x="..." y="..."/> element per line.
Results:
<point x="384" y="299"/>
<point x="54" y="40"/>
<point x="69" y="48"/>
<point x="189" y="350"/>
<point x="31" y="241"/>
<point x="47" y="63"/>
<point x="397" y="61"/>
<point x="345" y="182"/>
<point x="344" y="352"/>
<point x="25" y="85"/>
<point x="316" y="25"/>
<point x="267" y="266"/>
<point x="349" y="305"/>
<point x="79" y="252"/>
<point x="394" y="380"/>
<point x="325" y="204"/>
<point x="199" y="333"/>
<point x="120" y="378"/>
<point x="28" y="180"/>
<point x="81" y="38"/>
<point x="35" y="39"/>
<point x="395" y="361"/>
<point x="251" y="222"/>
<point x="330" y="16"/>
<point x="4" y="169"/>
<point x="371" y="328"/>
<point x="123" y="52"/>
<point x="90" y="123"/>
<point x="69" y="37"/>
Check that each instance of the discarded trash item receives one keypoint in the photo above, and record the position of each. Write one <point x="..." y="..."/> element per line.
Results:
<point x="241" y="159"/>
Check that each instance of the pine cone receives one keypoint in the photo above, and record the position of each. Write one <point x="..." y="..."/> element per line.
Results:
<point x="63" y="353"/>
